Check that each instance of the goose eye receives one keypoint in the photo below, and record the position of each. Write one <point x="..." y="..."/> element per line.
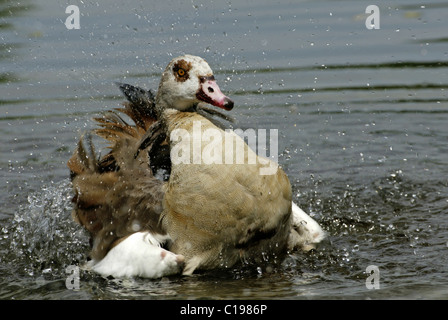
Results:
<point x="181" y="72"/>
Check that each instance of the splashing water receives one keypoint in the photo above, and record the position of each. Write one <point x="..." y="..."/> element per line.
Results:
<point x="42" y="236"/>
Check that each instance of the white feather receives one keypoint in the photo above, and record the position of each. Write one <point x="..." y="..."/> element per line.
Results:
<point x="139" y="255"/>
<point x="306" y="232"/>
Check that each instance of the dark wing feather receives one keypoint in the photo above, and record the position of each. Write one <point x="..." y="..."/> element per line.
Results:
<point x="118" y="194"/>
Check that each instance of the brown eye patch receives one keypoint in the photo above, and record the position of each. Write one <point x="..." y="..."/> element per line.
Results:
<point x="180" y="70"/>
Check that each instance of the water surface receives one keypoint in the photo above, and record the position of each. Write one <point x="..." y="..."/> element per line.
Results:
<point x="361" y="116"/>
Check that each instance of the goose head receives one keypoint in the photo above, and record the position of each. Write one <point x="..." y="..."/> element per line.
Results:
<point x="186" y="81"/>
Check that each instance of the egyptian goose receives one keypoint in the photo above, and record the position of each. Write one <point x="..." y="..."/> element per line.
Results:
<point x="202" y="213"/>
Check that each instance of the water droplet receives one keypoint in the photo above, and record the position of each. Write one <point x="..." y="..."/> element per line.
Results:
<point x="40" y="281"/>
<point x="136" y="225"/>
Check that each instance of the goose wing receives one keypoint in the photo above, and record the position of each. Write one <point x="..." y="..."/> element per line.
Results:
<point x="117" y="194"/>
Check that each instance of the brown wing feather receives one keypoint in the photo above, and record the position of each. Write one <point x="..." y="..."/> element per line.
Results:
<point x="117" y="194"/>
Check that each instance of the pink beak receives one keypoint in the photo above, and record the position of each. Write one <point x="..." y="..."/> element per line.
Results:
<point x="209" y="92"/>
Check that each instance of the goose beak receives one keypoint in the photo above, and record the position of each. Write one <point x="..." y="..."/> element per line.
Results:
<point x="209" y="92"/>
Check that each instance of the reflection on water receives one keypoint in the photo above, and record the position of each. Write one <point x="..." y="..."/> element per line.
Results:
<point x="362" y="128"/>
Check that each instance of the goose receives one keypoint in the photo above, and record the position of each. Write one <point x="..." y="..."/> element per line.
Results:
<point x="202" y="213"/>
